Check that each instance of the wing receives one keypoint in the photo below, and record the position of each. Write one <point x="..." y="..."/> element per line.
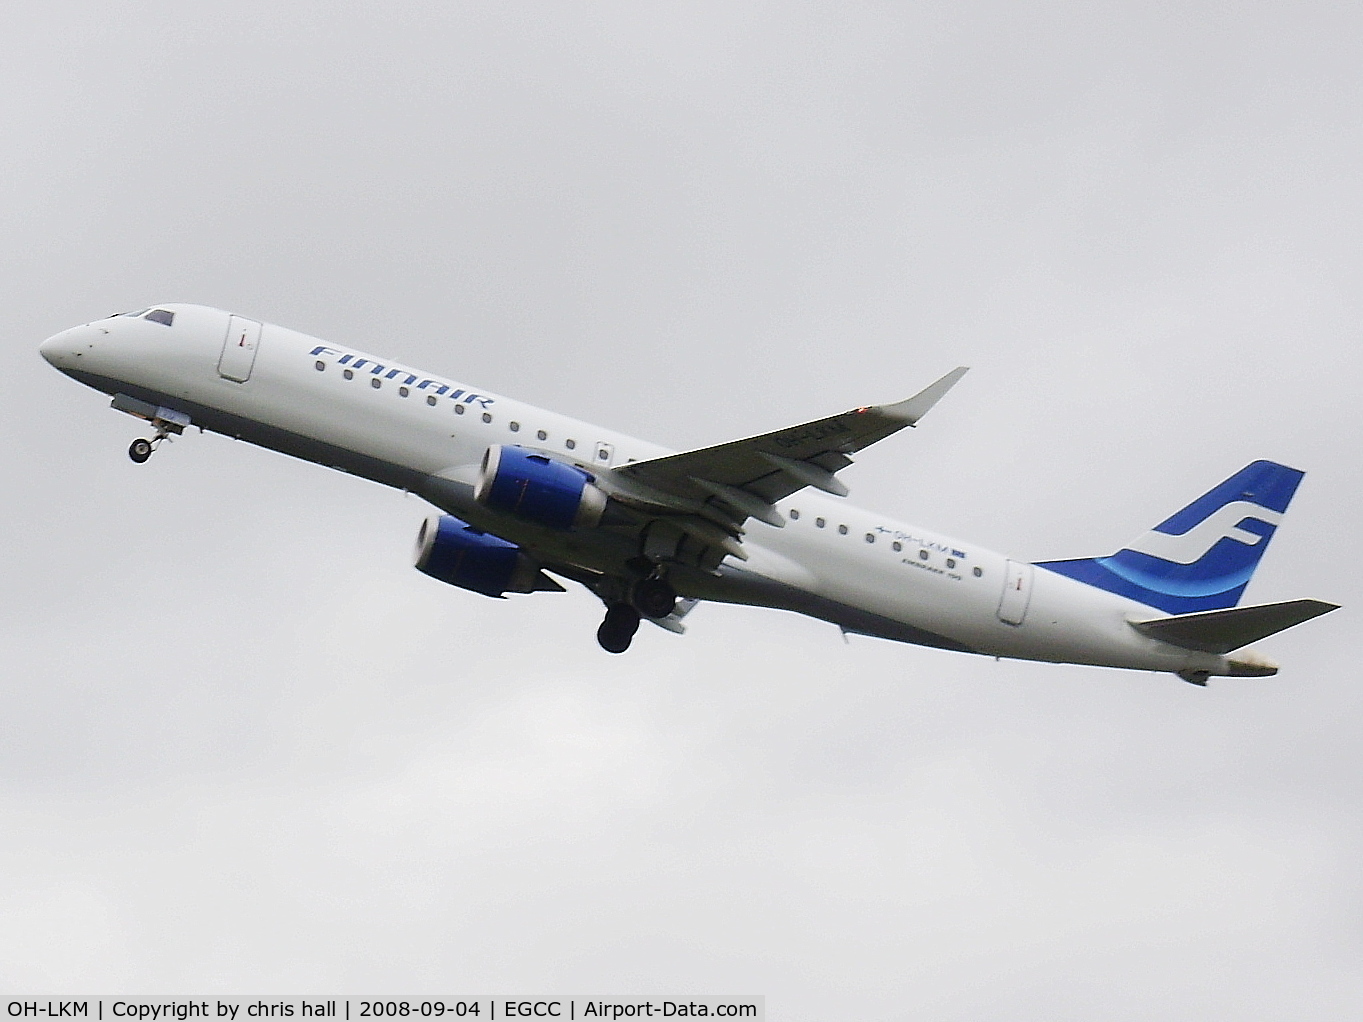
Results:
<point x="713" y="491"/>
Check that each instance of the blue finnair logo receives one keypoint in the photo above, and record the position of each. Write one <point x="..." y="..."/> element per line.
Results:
<point x="364" y="363"/>
<point x="1203" y="557"/>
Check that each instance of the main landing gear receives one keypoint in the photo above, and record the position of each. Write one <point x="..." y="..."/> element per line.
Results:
<point x="617" y="631"/>
<point x="654" y="597"/>
<point x="651" y="597"/>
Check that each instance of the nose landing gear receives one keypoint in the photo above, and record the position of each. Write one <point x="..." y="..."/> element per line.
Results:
<point x="140" y="450"/>
<point x="166" y="421"/>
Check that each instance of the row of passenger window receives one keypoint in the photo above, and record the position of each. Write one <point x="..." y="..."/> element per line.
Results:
<point x="896" y="545"/>
<point x="459" y="409"/>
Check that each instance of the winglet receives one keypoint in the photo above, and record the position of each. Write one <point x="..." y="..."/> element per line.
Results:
<point x="916" y="407"/>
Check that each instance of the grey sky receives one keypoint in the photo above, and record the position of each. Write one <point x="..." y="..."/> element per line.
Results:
<point x="245" y="747"/>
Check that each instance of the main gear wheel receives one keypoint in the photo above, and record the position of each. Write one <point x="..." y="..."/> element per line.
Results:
<point x="617" y="630"/>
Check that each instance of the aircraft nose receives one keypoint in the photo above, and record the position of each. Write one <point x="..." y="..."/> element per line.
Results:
<point x="50" y="349"/>
<point x="62" y="349"/>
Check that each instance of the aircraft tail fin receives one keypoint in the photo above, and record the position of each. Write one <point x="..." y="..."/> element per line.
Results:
<point x="1202" y="557"/>
<point x="1221" y="631"/>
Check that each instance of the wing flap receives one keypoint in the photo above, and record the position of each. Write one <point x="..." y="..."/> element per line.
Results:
<point x="1221" y="631"/>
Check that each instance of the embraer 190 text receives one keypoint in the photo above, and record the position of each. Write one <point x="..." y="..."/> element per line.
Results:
<point x="530" y="497"/>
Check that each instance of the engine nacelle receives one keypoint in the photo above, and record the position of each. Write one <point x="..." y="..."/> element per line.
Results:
<point x="455" y="552"/>
<point x="539" y="489"/>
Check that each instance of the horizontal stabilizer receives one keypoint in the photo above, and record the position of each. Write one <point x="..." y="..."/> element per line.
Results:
<point x="1220" y="631"/>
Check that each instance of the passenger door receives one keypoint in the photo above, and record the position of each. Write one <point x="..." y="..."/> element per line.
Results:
<point x="1017" y="593"/>
<point x="239" y="349"/>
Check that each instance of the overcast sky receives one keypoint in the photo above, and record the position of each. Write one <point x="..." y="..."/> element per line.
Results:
<point x="244" y="747"/>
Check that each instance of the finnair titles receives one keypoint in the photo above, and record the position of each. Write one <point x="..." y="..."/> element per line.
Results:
<point x="528" y="498"/>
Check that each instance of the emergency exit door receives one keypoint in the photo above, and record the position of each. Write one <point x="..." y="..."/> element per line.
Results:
<point x="239" y="349"/>
<point x="1017" y="593"/>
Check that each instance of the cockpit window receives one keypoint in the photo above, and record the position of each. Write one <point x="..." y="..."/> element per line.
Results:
<point x="161" y="316"/>
<point x="134" y="315"/>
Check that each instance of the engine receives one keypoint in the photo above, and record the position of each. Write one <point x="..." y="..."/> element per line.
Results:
<point x="457" y="553"/>
<point x="538" y="489"/>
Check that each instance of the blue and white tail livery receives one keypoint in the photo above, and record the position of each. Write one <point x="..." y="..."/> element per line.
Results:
<point x="527" y="498"/>
<point x="1202" y="557"/>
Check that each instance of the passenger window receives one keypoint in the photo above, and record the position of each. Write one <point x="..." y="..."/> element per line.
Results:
<point x="870" y="537"/>
<point x="819" y="523"/>
<point x="430" y="399"/>
<point x="570" y="444"/>
<point x="922" y="555"/>
<point x="977" y="572"/>
<point x="897" y="546"/>
<point x="403" y="392"/>
<point x="794" y="515"/>
<point x="320" y="365"/>
<point x="376" y="383"/>
<point x="487" y="416"/>
<point x="542" y="435"/>
<point x="349" y="374"/>
<point x="458" y="409"/>
<point x="951" y="562"/>
<point x="163" y="316"/>
<point x="515" y="427"/>
<point x="842" y="530"/>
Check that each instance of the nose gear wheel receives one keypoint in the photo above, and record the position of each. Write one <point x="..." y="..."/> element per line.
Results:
<point x="140" y="449"/>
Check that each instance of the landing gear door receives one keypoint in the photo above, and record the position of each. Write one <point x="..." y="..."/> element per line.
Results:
<point x="1017" y="593"/>
<point x="239" y="349"/>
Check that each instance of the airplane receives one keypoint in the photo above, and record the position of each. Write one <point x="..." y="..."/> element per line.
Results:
<point x="528" y="497"/>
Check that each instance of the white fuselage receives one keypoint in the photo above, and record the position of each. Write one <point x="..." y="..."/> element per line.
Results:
<point x="859" y="569"/>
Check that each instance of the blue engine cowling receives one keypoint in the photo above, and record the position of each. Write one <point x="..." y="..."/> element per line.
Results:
<point x="455" y="552"/>
<point x="539" y="489"/>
